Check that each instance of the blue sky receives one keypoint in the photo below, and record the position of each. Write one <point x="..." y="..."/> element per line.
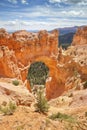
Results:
<point x="42" y="14"/>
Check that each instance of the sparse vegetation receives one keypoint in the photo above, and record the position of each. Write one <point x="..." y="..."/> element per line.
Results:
<point x="85" y="114"/>
<point x="61" y="116"/>
<point x="41" y="101"/>
<point x="15" y="82"/>
<point x="37" y="73"/>
<point x="85" y="85"/>
<point x="69" y="122"/>
<point x="8" y="109"/>
<point x="20" y="127"/>
<point x="47" y="121"/>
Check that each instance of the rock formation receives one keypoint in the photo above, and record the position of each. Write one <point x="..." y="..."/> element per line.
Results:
<point x="55" y="84"/>
<point x="8" y="63"/>
<point x="3" y="33"/>
<point x="80" y="38"/>
<point x="19" y="95"/>
<point x="19" y="49"/>
<point x="28" y="46"/>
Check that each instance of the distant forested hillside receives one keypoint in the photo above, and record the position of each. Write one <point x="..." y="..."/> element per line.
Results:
<point x="66" y="39"/>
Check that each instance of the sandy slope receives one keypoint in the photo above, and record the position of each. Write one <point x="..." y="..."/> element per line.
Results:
<point x="25" y="117"/>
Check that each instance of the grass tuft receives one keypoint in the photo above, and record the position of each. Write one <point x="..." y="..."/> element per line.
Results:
<point x="8" y="109"/>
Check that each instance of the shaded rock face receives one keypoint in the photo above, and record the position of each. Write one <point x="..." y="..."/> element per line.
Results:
<point x="80" y="38"/>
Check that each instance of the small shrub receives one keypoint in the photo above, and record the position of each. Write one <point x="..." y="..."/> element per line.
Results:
<point x="47" y="122"/>
<point x="9" y="109"/>
<point x="85" y="85"/>
<point x="20" y="127"/>
<point x="15" y="82"/>
<point x="61" y="116"/>
<point x="85" y="114"/>
<point x="41" y="104"/>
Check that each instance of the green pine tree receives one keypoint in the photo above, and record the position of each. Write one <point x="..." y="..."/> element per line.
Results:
<point x="41" y="101"/>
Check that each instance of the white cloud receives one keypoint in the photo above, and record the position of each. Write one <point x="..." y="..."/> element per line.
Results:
<point x="40" y="25"/>
<point x="83" y="3"/>
<point x="73" y="13"/>
<point x="54" y="1"/>
<point x="38" y="17"/>
<point x="24" y="2"/>
<point x="13" y="1"/>
<point x="46" y="13"/>
<point x="16" y="1"/>
<point x="79" y="2"/>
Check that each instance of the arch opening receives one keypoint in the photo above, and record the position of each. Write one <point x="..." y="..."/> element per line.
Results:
<point x="38" y="73"/>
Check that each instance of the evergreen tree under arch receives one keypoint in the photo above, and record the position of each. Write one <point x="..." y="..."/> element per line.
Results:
<point x="38" y="73"/>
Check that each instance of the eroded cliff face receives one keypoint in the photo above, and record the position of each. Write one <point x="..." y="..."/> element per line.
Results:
<point x="18" y="50"/>
<point x="55" y="84"/>
<point x="28" y="46"/>
<point x="80" y="38"/>
<point x="8" y="63"/>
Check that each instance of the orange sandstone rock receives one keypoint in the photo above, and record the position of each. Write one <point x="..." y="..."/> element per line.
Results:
<point x="55" y="85"/>
<point x="8" y="63"/>
<point x="80" y="38"/>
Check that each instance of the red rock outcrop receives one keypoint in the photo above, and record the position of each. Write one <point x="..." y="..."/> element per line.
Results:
<point x="79" y="55"/>
<point x="4" y="33"/>
<point x="55" y="84"/>
<point x="20" y="49"/>
<point x="8" y="63"/>
<point x="28" y="46"/>
<point x="80" y="38"/>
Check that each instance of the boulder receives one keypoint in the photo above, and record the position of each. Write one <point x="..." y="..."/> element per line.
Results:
<point x="19" y="94"/>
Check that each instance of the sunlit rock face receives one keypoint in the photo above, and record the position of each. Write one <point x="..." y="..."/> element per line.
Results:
<point x="28" y="46"/>
<point x="78" y="51"/>
<point x="19" y="49"/>
<point x="4" y="33"/>
<point x="8" y="63"/>
<point x="80" y="38"/>
<point x="55" y="84"/>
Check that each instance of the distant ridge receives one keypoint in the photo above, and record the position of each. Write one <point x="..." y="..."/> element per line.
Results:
<point x="66" y="35"/>
<point x="62" y="30"/>
<point x="66" y="30"/>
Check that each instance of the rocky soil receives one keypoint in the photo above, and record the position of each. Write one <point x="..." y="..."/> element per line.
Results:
<point x="25" y="117"/>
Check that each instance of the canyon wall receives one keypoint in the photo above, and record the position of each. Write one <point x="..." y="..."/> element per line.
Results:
<point x="80" y="38"/>
<point x="19" y="49"/>
<point x="28" y="46"/>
